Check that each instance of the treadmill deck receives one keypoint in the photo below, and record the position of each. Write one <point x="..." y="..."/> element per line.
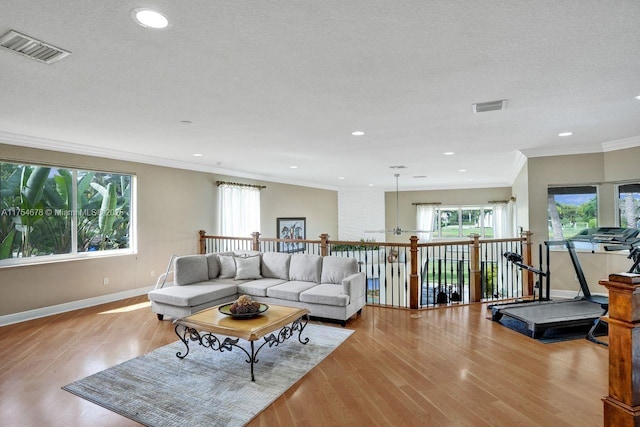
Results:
<point x="543" y="315"/>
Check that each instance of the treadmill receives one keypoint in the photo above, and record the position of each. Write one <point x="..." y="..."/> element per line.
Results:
<point x="539" y="316"/>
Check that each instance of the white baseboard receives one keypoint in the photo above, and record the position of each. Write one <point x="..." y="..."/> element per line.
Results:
<point x="70" y="306"/>
<point x="557" y="293"/>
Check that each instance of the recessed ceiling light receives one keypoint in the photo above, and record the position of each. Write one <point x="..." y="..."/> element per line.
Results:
<point x="357" y="133"/>
<point x="341" y="177"/>
<point x="149" y="18"/>
<point x="293" y="167"/>
<point x="370" y="185"/>
<point x="198" y="155"/>
<point x="462" y="170"/>
<point x="638" y="97"/>
<point x="565" y="134"/>
<point x="448" y="153"/>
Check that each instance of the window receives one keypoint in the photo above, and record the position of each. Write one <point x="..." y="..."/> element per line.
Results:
<point x="48" y="211"/>
<point x="455" y="221"/>
<point x="239" y="206"/>
<point x="571" y="210"/>
<point x="629" y="205"/>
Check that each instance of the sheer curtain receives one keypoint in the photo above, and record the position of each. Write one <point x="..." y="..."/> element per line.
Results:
<point x="424" y="222"/>
<point x="504" y="220"/>
<point x="239" y="210"/>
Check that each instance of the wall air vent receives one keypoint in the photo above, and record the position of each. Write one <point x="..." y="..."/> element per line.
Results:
<point x="34" y="49"/>
<point x="482" y="107"/>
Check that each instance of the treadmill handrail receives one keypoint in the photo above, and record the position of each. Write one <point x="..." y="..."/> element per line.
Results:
<point x="571" y="249"/>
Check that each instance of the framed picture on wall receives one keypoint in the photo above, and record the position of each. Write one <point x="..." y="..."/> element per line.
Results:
<point x="291" y="228"/>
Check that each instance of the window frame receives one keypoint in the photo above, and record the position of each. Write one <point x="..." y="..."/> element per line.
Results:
<point x="74" y="253"/>
<point x="567" y="190"/>
<point x="483" y="208"/>
<point x="617" y="206"/>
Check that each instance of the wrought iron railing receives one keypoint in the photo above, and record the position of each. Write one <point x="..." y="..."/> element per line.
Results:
<point x="413" y="275"/>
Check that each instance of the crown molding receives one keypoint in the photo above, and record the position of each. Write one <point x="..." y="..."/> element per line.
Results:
<point x="621" y="144"/>
<point x="86" y="150"/>
<point x="562" y="150"/>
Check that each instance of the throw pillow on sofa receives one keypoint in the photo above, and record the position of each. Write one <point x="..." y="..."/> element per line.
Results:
<point x="227" y="266"/>
<point x="247" y="267"/>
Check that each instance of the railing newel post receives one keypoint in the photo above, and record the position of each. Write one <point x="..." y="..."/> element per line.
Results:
<point x="413" y="278"/>
<point x="203" y="242"/>
<point x="475" y="281"/>
<point x="324" y="244"/>
<point x="526" y="256"/>
<point x="256" y="241"/>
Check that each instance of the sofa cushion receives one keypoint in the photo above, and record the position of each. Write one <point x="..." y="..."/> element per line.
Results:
<point x="190" y="269"/>
<point x="247" y="267"/>
<point x="305" y="268"/>
<point x="334" y="269"/>
<point x="192" y="295"/>
<point x="227" y="267"/>
<point x="214" y="265"/>
<point x="327" y="294"/>
<point x="276" y="265"/>
<point x="289" y="291"/>
<point x="258" y="287"/>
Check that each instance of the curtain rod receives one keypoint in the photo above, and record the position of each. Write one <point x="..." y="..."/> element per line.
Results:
<point x="259" y="187"/>
<point x="425" y="203"/>
<point x="511" y="199"/>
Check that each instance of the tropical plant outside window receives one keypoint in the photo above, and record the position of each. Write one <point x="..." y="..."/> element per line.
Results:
<point x="629" y="205"/>
<point x="56" y="211"/>
<point x="571" y="210"/>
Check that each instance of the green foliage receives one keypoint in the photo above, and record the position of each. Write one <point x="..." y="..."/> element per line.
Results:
<point x="36" y="206"/>
<point x="490" y="280"/>
<point x="573" y="218"/>
<point x="352" y="247"/>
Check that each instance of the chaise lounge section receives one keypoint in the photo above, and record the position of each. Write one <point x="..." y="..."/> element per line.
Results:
<point x="329" y="287"/>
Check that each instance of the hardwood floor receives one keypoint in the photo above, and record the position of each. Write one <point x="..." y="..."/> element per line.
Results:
<point x="448" y="367"/>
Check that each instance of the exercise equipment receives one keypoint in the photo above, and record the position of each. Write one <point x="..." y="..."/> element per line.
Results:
<point x="587" y="309"/>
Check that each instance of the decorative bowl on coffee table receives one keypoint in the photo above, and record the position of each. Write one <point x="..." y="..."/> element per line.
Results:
<point x="226" y="309"/>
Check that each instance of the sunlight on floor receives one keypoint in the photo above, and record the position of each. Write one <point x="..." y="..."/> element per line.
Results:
<point x="128" y="308"/>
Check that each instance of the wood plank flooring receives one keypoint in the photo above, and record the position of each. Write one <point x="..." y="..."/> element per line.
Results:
<point x="448" y="367"/>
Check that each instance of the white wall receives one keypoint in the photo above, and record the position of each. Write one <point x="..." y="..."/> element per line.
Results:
<point x="360" y="210"/>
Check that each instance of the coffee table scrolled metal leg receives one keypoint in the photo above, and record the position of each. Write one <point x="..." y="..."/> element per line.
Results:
<point x="299" y="326"/>
<point x="284" y="334"/>
<point x="207" y="340"/>
<point x="184" y="340"/>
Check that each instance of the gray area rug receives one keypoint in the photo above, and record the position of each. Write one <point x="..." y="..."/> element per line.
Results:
<point x="207" y="388"/>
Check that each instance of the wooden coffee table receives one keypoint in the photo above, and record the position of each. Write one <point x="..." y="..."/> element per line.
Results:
<point x="205" y="325"/>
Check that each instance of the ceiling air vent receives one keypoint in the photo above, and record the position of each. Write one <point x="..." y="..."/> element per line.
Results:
<point x="482" y="107"/>
<point x="34" y="49"/>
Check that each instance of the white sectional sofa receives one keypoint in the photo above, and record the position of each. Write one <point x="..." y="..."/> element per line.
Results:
<point x="330" y="287"/>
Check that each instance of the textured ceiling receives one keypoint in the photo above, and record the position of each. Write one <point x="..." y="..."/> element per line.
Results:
<point x="268" y="85"/>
